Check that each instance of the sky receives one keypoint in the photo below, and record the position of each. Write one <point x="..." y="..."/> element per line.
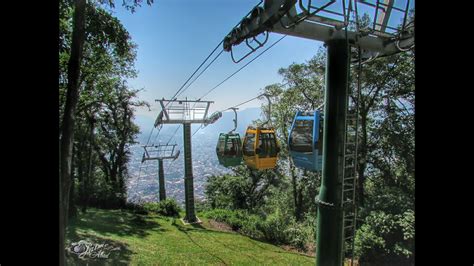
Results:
<point x="175" y="36"/>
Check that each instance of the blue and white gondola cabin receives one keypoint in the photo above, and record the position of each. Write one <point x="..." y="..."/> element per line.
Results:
<point x="305" y="140"/>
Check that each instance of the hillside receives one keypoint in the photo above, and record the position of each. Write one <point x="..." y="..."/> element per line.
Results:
<point x="154" y="240"/>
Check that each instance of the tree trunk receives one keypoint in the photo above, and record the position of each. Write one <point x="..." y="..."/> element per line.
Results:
<point x="293" y="181"/>
<point x="67" y="130"/>
<point x="72" y="205"/>
<point x="80" y="172"/>
<point x="300" y="204"/>
<point x="104" y="162"/>
<point x="61" y="216"/>
<point x="295" y="192"/>
<point x="113" y="177"/>
<point x="88" y="177"/>
<point x="362" y="158"/>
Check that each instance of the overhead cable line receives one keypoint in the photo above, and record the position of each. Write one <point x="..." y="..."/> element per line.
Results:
<point x="215" y="87"/>
<point x="197" y="69"/>
<point x="157" y="134"/>
<point x="173" y="134"/>
<point x="215" y="58"/>
<point x="197" y="130"/>
<point x="149" y="137"/>
<point x="235" y="106"/>
<point x="210" y="56"/>
<point x="182" y="86"/>
<point x="205" y="60"/>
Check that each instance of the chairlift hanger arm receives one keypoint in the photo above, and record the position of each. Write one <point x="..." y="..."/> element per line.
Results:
<point x="252" y="49"/>
<point x="258" y="21"/>
<point x="269" y="109"/>
<point x="235" y="119"/>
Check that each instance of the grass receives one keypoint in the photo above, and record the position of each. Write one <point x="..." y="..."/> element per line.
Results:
<point x="155" y="240"/>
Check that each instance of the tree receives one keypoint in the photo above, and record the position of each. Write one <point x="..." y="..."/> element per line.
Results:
<point x="389" y="176"/>
<point x="67" y="132"/>
<point x="302" y="89"/>
<point x="246" y="189"/>
<point x="115" y="132"/>
<point x="385" y="80"/>
<point x="386" y="146"/>
<point x="67" y="125"/>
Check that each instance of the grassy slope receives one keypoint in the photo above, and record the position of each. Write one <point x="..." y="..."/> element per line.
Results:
<point x="153" y="240"/>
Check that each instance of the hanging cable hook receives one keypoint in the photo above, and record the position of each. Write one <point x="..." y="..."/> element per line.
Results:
<point x="269" y="110"/>
<point x="235" y="119"/>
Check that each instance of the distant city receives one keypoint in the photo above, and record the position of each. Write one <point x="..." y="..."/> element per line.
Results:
<point x="143" y="181"/>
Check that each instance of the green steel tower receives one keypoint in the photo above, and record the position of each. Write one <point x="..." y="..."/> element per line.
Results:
<point x="186" y="112"/>
<point x="159" y="153"/>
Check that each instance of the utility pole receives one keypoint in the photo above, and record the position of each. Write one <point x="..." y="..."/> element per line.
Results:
<point x="181" y="112"/>
<point x="159" y="153"/>
<point x="330" y="26"/>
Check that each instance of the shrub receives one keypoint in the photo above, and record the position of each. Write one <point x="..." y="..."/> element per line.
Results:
<point x="136" y="208"/>
<point x="251" y="226"/>
<point x="201" y="205"/>
<point x="386" y="238"/>
<point x="299" y="234"/>
<point x="230" y="217"/>
<point x="275" y="228"/>
<point x="246" y="190"/>
<point x="168" y="207"/>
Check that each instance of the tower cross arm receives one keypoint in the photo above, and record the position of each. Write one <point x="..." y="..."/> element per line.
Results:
<point x="324" y="33"/>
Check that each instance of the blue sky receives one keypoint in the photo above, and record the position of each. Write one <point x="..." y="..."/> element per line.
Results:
<point x="174" y="37"/>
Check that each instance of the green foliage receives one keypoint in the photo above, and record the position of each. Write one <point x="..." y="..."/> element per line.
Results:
<point x="274" y="228"/>
<point x="106" y="104"/>
<point x="251" y="225"/>
<point x="386" y="238"/>
<point x="299" y="234"/>
<point x="130" y="5"/>
<point x="135" y="208"/>
<point x="227" y="191"/>
<point x="287" y="212"/>
<point x="201" y="205"/>
<point x="233" y="218"/>
<point x="387" y="161"/>
<point x="168" y="207"/>
<point x="102" y="194"/>
<point x="388" y="198"/>
<point x="302" y="89"/>
<point x="246" y="189"/>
